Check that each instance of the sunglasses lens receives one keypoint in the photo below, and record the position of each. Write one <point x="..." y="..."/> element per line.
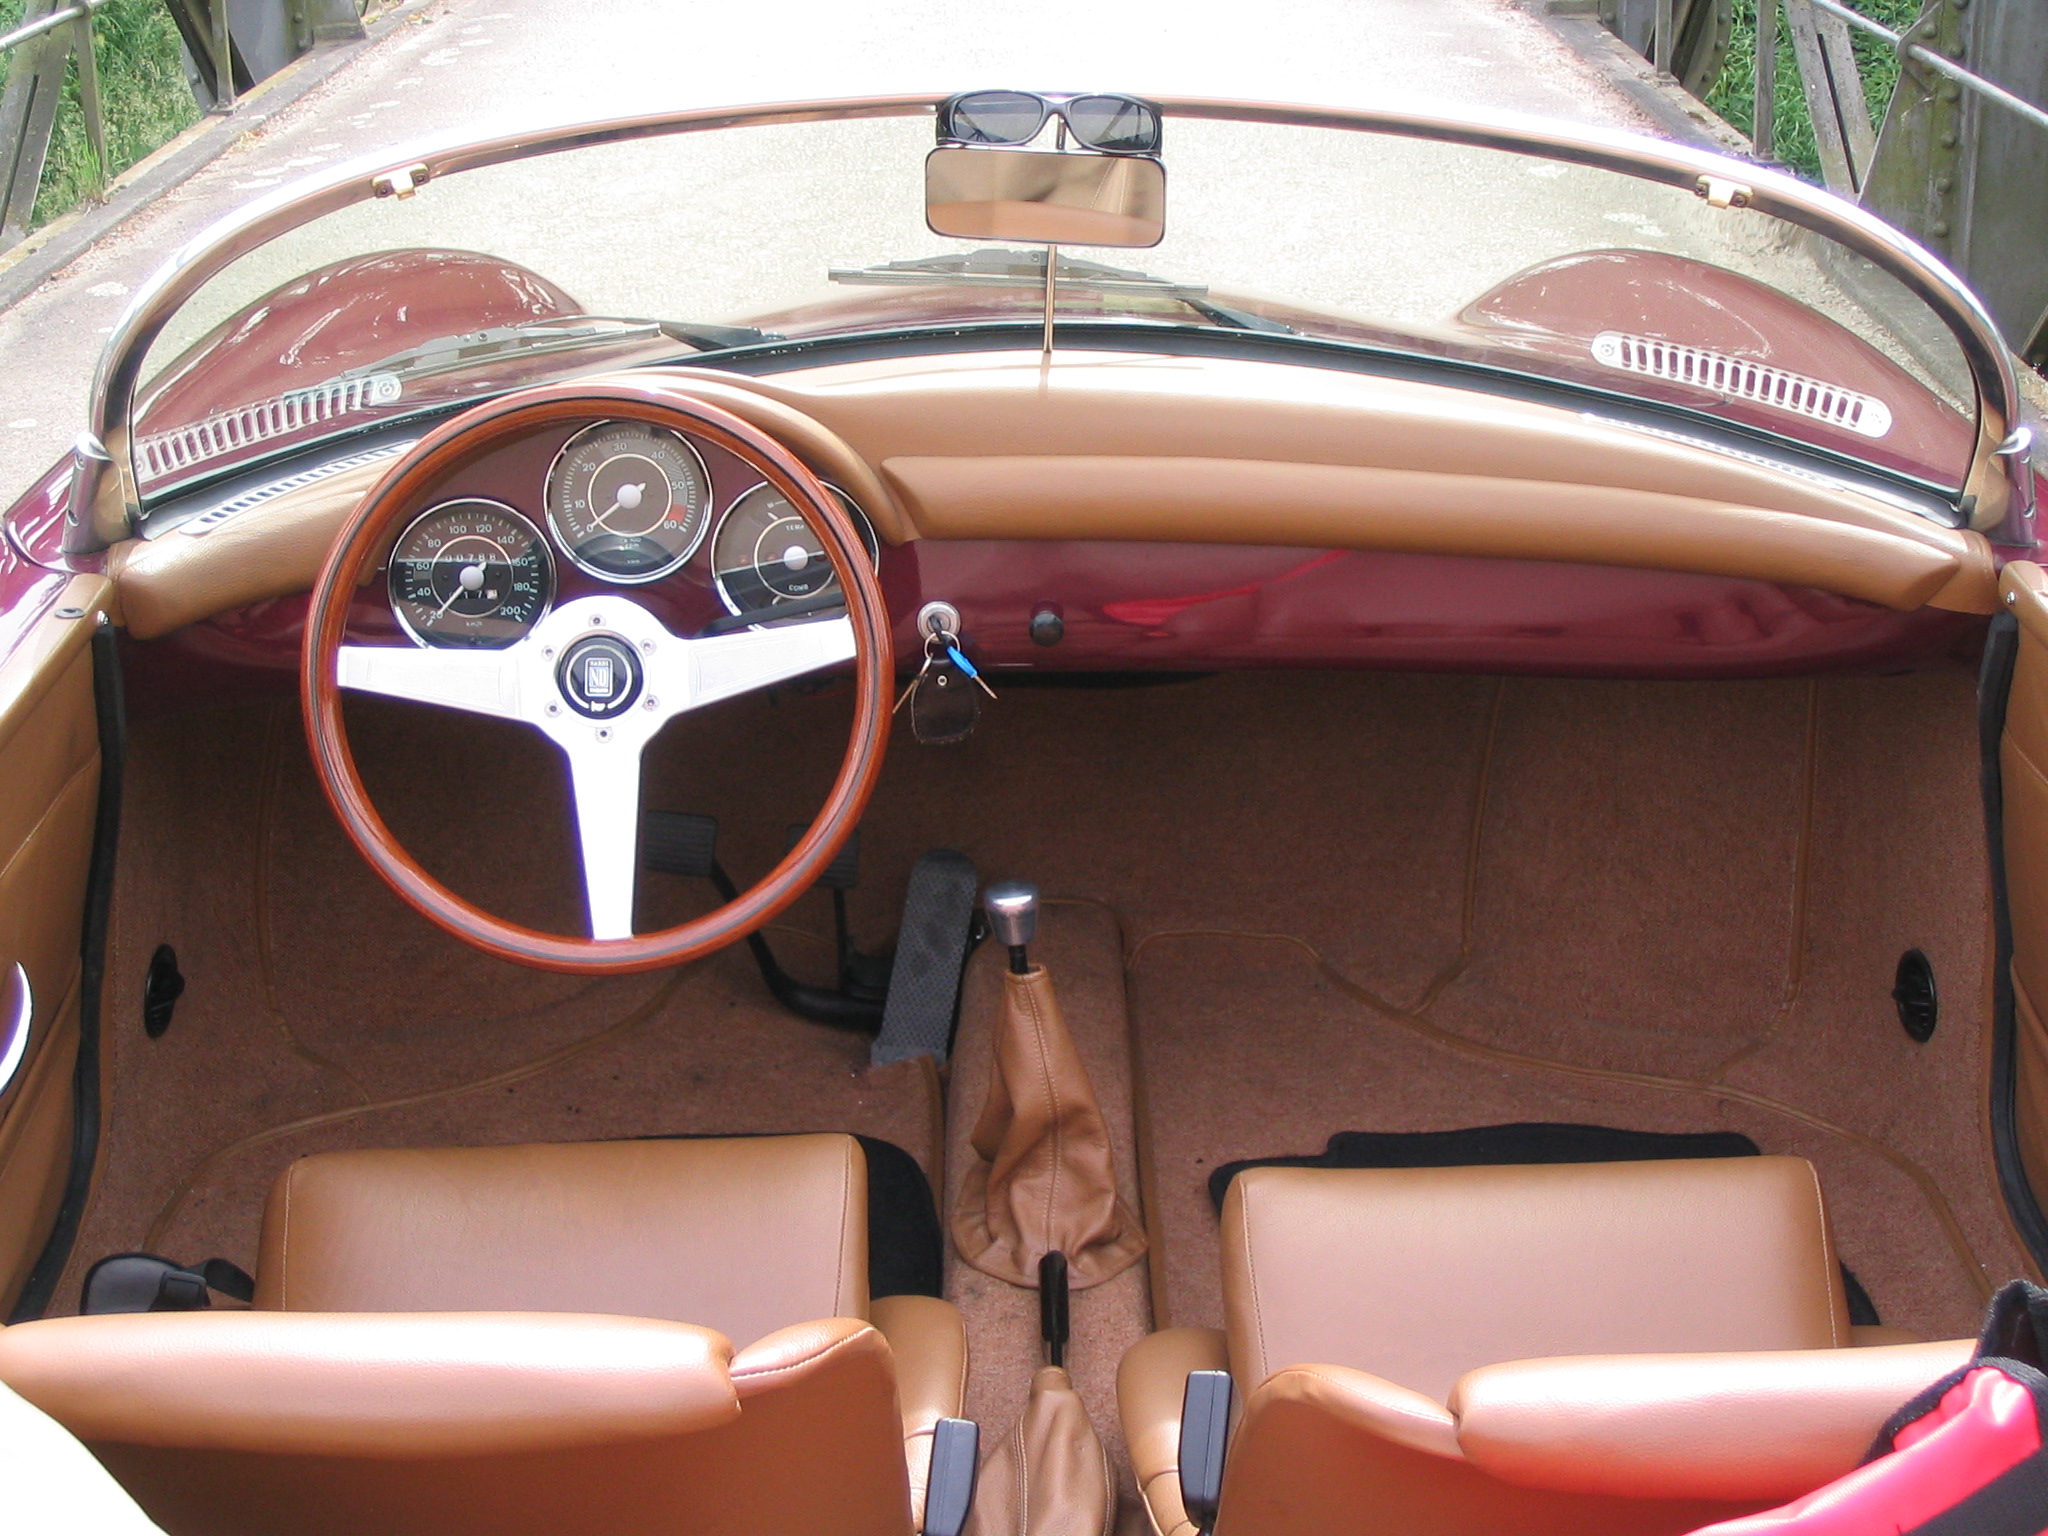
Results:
<point x="1115" y="123"/>
<point x="995" y="117"/>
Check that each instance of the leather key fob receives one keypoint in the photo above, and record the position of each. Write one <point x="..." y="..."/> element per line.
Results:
<point x="945" y="706"/>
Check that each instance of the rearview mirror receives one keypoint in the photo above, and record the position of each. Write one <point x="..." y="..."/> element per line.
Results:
<point x="1043" y="197"/>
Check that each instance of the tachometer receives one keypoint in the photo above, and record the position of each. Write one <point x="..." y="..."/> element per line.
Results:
<point x="764" y="554"/>
<point x="628" y="501"/>
<point x="471" y="572"/>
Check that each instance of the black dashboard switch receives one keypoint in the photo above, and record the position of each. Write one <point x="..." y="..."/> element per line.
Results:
<point x="1047" y="627"/>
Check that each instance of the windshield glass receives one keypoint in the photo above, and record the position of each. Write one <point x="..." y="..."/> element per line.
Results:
<point x="694" y="243"/>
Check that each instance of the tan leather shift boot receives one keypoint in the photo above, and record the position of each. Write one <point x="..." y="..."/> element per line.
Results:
<point x="1050" y="1475"/>
<point x="1042" y="1178"/>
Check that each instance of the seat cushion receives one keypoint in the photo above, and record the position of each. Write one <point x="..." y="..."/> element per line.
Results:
<point x="1419" y="1275"/>
<point x="495" y="1424"/>
<point x="743" y="1235"/>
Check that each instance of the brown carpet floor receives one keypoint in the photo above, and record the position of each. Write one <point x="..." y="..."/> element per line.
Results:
<point x="312" y="992"/>
<point x="1640" y="878"/>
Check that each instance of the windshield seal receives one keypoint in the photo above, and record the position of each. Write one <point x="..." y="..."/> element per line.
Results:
<point x="106" y="504"/>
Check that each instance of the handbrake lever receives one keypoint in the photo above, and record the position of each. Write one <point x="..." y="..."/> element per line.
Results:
<point x="949" y="1489"/>
<point x="1204" y="1429"/>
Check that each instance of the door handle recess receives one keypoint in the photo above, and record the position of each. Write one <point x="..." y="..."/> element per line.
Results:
<point x="17" y="1012"/>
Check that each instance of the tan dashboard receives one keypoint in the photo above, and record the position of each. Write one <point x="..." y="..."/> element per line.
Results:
<point x="1099" y="446"/>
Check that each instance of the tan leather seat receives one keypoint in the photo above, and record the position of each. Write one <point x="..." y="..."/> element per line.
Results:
<point x="1604" y="1348"/>
<point x="534" y="1338"/>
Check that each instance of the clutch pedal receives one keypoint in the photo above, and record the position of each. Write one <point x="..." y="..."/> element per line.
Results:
<point x="678" y="843"/>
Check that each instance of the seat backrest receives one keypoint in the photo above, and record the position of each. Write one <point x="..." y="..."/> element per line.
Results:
<point x="1642" y="1445"/>
<point x="1419" y="1275"/>
<point x="467" y="1424"/>
<point x="744" y="1235"/>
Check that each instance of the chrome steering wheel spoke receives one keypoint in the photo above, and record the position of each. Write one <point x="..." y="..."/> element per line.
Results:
<point x="480" y="682"/>
<point x="600" y="677"/>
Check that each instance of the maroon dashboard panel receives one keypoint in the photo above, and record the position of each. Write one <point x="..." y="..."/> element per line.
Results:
<point x="1163" y="607"/>
<point x="1138" y="607"/>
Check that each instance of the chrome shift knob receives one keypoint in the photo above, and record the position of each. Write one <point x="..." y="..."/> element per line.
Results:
<point x="1012" y="911"/>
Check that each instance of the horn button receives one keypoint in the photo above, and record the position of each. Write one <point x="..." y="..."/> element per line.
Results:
<point x="599" y="677"/>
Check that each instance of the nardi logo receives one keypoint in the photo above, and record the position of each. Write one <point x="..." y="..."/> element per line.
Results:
<point x="599" y="676"/>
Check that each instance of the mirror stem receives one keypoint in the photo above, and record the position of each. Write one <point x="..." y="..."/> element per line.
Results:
<point x="1052" y="262"/>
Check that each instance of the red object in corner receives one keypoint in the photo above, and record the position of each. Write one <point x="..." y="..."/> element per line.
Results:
<point x="1980" y="1444"/>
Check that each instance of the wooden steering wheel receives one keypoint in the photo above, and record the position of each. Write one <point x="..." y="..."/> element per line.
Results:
<point x="527" y="681"/>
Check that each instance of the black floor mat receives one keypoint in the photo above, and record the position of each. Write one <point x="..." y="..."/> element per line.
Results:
<point x="1528" y="1141"/>
<point x="905" y="1250"/>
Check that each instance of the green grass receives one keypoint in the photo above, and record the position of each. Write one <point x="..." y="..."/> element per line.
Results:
<point x="143" y="98"/>
<point x="1734" y="94"/>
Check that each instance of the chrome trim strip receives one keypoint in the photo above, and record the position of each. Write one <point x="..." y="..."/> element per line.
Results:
<point x="1924" y="507"/>
<point x="20" y="1006"/>
<point x="203" y="523"/>
<point x="106" y="503"/>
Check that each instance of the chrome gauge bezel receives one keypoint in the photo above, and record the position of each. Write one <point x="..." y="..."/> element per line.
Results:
<point x="641" y="578"/>
<point x="862" y="526"/>
<point x="541" y="543"/>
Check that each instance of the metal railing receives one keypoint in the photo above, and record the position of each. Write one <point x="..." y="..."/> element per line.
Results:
<point x="54" y="35"/>
<point x="1953" y="159"/>
<point x="28" y="107"/>
<point x="1832" y="83"/>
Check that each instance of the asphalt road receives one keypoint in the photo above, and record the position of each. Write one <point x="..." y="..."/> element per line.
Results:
<point x="485" y="64"/>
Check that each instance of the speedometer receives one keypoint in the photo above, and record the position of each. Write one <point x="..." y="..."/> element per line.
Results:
<point x="765" y="554"/>
<point x="629" y="502"/>
<point x="470" y="573"/>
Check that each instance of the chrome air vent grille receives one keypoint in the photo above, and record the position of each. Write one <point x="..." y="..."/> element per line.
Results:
<point x="1778" y="388"/>
<point x="165" y="454"/>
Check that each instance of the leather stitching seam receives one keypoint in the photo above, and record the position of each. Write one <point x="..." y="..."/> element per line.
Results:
<point x="1251" y="1282"/>
<point x="1022" y="1458"/>
<point x="284" y="1242"/>
<point x="845" y="1200"/>
<point x="2025" y="758"/>
<point x="1827" y="1278"/>
<point x="959" y="1399"/>
<point x="1052" y="1089"/>
<point x="29" y="838"/>
<point x="763" y="1373"/>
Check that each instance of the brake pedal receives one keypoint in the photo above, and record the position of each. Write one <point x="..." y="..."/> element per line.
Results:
<point x="678" y="843"/>
<point x="931" y="950"/>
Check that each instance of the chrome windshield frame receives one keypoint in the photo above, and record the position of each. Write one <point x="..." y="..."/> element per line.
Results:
<point x="106" y="506"/>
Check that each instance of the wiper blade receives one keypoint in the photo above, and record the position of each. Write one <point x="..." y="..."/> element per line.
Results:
<point x="998" y="268"/>
<point x="448" y="354"/>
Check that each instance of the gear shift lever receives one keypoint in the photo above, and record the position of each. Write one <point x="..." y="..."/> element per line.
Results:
<point x="1042" y="1180"/>
<point x="1013" y="915"/>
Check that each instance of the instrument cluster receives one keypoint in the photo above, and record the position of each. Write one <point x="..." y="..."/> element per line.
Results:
<point x="626" y="503"/>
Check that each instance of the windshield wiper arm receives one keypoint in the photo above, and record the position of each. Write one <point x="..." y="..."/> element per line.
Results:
<point x="447" y="354"/>
<point x="998" y="268"/>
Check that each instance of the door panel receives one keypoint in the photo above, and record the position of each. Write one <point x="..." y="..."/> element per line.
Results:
<point x="50" y="770"/>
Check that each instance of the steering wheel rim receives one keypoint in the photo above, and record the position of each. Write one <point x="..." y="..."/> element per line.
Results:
<point x="404" y="488"/>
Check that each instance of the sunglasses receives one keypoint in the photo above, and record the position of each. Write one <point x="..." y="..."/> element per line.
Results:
<point x="1114" y="125"/>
